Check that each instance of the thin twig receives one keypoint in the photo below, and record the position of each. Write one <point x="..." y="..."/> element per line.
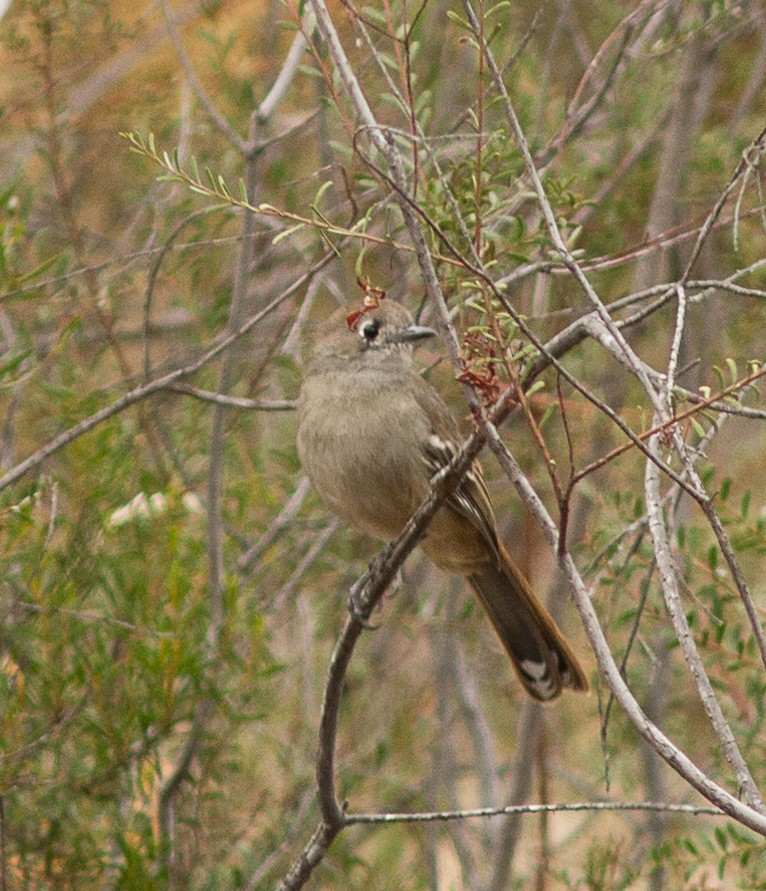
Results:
<point x="240" y="402"/>
<point x="308" y="560"/>
<point x="699" y="405"/>
<point x="574" y="807"/>
<point x="755" y="150"/>
<point x="191" y="76"/>
<point x="285" y="517"/>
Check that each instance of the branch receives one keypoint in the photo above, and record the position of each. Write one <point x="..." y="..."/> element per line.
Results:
<point x="207" y="103"/>
<point x="308" y="559"/>
<point x="662" y="744"/>
<point x="550" y="218"/>
<point x="667" y="571"/>
<point x="283" y="520"/>
<point x="283" y="80"/>
<point x="151" y="388"/>
<point x="528" y="734"/>
<point x="577" y="114"/>
<point x="384" y="143"/>
<point x="658" y="395"/>
<point x="699" y="405"/>
<point x="574" y="807"/>
<point x="366" y="594"/>
<point x="241" y="402"/>
<point x="750" y="157"/>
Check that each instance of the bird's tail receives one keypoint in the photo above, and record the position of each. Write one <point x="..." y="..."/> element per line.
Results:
<point x="543" y="659"/>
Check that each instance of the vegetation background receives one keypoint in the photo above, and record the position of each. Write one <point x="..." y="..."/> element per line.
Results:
<point x="172" y="591"/>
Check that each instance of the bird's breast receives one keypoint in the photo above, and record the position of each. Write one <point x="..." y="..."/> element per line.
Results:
<point x="361" y="449"/>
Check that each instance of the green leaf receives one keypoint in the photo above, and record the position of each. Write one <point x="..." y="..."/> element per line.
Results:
<point x="287" y="233"/>
<point x="341" y="148"/>
<point x="310" y="71"/>
<point x="39" y="270"/>
<point x="697" y="427"/>
<point x="327" y="184"/>
<point x="223" y="189"/>
<point x="548" y="414"/>
<point x="375" y="14"/>
<point x="498" y="7"/>
<point x="457" y="20"/>
<point x="10" y="365"/>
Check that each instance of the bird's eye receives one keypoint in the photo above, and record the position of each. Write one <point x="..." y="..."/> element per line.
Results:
<point x="369" y="330"/>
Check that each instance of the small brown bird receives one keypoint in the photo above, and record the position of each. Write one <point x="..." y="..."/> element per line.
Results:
<point x="371" y="435"/>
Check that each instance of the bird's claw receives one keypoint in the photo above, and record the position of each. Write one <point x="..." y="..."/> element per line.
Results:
<point x="357" y="601"/>
<point x="357" y="606"/>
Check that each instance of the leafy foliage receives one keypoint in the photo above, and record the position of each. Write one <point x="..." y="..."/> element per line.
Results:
<point x="172" y="592"/>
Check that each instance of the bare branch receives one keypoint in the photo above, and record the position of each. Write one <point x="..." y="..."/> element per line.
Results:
<point x="574" y="807"/>
<point x="284" y="79"/>
<point x="241" y="402"/>
<point x="309" y="558"/>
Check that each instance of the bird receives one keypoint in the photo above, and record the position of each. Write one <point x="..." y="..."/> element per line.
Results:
<point x="372" y="433"/>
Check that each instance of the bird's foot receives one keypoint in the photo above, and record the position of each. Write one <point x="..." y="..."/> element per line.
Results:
<point x="358" y="598"/>
<point x="358" y="605"/>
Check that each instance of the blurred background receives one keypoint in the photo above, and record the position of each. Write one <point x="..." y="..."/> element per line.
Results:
<point x="171" y="589"/>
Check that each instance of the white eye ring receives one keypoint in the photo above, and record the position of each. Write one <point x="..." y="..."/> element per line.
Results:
<point x="369" y="330"/>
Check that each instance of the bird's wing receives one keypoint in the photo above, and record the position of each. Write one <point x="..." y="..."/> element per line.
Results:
<point x="471" y="498"/>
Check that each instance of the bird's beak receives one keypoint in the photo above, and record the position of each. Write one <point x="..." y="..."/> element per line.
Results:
<point x="416" y="332"/>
